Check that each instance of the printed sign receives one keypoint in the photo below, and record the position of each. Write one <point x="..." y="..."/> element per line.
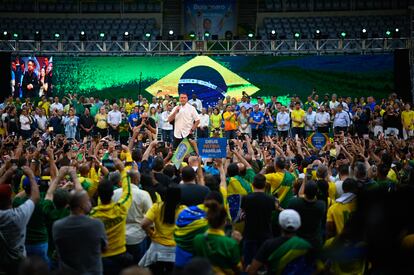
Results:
<point x="212" y="147"/>
<point x="183" y="149"/>
<point x="318" y="140"/>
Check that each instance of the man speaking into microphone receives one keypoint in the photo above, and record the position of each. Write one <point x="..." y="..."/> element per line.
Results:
<point x="185" y="119"/>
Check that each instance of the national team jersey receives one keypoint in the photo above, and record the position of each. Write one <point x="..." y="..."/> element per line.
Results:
<point x="339" y="214"/>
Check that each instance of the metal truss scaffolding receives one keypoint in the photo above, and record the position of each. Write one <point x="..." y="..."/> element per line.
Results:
<point x="225" y="47"/>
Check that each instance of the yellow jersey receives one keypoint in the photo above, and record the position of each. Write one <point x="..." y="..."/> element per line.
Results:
<point x="163" y="232"/>
<point x="339" y="214"/>
<point x="215" y="121"/>
<point x="407" y="118"/>
<point x="298" y="115"/>
<point x="129" y="107"/>
<point x="113" y="216"/>
<point x="230" y="121"/>
<point x="101" y="122"/>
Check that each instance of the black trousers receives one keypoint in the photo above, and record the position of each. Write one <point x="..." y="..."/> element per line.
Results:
<point x="257" y="134"/>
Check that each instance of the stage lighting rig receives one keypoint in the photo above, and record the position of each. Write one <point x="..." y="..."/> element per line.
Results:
<point x="272" y="35"/>
<point x="206" y="35"/>
<point x="38" y="36"/>
<point x="388" y="34"/>
<point x="318" y="34"/>
<point x="15" y="36"/>
<point x="57" y="36"/>
<point x="396" y="33"/>
<point x="342" y="35"/>
<point x="102" y="35"/>
<point x="228" y="35"/>
<point x="127" y="36"/>
<point x="250" y="35"/>
<point x="192" y="35"/>
<point x="297" y="35"/>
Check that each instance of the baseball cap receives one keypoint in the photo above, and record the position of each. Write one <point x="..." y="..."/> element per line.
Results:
<point x="289" y="220"/>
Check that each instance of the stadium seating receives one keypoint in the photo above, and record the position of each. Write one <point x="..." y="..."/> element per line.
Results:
<point x="376" y="26"/>
<point x="69" y="28"/>
<point x="85" y="6"/>
<point x="332" y="5"/>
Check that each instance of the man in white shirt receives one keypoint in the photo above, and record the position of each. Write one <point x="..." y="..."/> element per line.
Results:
<point x="283" y="122"/>
<point x="136" y="238"/>
<point x="333" y="103"/>
<point x="310" y="121"/>
<point x="185" y="119"/>
<point x="322" y="120"/>
<point x="342" y="120"/>
<point x="154" y="103"/>
<point x="114" y="119"/>
<point x="202" y="131"/>
<point x="56" y="105"/>
<point x="167" y="128"/>
<point x="197" y="102"/>
<point x="41" y="119"/>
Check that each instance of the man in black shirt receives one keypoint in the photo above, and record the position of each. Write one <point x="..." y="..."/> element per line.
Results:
<point x="257" y="207"/>
<point x="30" y="84"/>
<point x="191" y="193"/>
<point x="86" y="123"/>
<point x="312" y="213"/>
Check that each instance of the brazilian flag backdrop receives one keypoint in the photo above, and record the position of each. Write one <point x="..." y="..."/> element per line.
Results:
<point x="214" y="77"/>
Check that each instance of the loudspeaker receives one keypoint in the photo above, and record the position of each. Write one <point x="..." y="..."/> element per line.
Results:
<point x="5" y="75"/>
<point x="402" y="81"/>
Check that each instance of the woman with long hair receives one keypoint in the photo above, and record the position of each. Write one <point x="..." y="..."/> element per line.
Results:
<point x="159" y="224"/>
<point x="101" y="122"/>
<point x="243" y="119"/>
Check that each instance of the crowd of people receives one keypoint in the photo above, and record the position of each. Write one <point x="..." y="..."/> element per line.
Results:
<point x="89" y="186"/>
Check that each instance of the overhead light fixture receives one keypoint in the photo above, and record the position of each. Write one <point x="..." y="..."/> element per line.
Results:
<point x="127" y="36"/>
<point x="206" y="35"/>
<point x="192" y="35"/>
<point x="82" y="36"/>
<point x="38" y="36"/>
<point x="364" y="33"/>
<point x="250" y="35"/>
<point x="102" y="35"/>
<point x="56" y="35"/>
<point x="396" y="33"/>
<point x="171" y="34"/>
<point x="318" y="34"/>
<point x="272" y="35"/>
<point x="297" y="35"/>
<point x="388" y="34"/>
<point x="15" y="36"/>
<point x="342" y="35"/>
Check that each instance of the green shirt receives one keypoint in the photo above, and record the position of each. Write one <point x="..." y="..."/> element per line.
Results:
<point x="222" y="251"/>
<point x="36" y="232"/>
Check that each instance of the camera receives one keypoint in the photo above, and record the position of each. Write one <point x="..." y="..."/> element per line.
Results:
<point x="231" y="145"/>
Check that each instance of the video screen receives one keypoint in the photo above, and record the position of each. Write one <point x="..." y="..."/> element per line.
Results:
<point x="32" y="76"/>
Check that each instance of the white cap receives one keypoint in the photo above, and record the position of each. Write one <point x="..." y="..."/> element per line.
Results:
<point x="289" y="220"/>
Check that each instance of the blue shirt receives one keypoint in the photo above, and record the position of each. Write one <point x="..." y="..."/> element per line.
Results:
<point x="267" y="121"/>
<point x="257" y="117"/>
<point x="133" y="119"/>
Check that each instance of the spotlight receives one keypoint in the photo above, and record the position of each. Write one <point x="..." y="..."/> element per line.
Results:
<point x="272" y="35"/>
<point x="396" y="33"/>
<point x="15" y="36"/>
<point x="102" y="35"/>
<point x="192" y="35"/>
<point x="82" y="36"/>
<point x="318" y="34"/>
<point x="250" y="35"/>
<point x="147" y="35"/>
<point x="6" y="36"/>
<point x="228" y="35"/>
<point x="206" y="35"/>
<point x="388" y="34"/>
<point x="364" y="34"/>
<point x="342" y="35"/>
<point x="297" y="35"/>
<point x="57" y="35"/>
<point x="38" y="36"/>
<point x="127" y="37"/>
<point x="171" y="35"/>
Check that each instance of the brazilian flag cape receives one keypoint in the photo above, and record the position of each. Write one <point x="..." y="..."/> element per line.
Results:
<point x="284" y="192"/>
<point x="190" y="222"/>
<point x="288" y="252"/>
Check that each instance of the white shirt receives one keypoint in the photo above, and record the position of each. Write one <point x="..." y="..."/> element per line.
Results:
<point x="262" y="106"/>
<point x="24" y="122"/>
<point x="322" y="119"/>
<point x="155" y="105"/>
<point x="56" y="106"/>
<point x="282" y="118"/>
<point x="165" y="124"/>
<point x="184" y="120"/>
<point x="342" y="119"/>
<point x="310" y="119"/>
<point x="197" y="102"/>
<point x="141" y="202"/>
<point x="204" y="120"/>
<point x="41" y="122"/>
<point x="114" y="117"/>
<point x="333" y="105"/>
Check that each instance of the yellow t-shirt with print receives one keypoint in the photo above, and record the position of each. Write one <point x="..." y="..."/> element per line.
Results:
<point x="339" y="214"/>
<point x="129" y="107"/>
<point x="163" y="233"/>
<point x="101" y="122"/>
<point x="407" y="118"/>
<point x="298" y="115"/>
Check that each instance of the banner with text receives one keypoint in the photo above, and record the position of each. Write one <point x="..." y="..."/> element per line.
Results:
<point x="213" y="16"/>
<point x="212" y="147"/>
